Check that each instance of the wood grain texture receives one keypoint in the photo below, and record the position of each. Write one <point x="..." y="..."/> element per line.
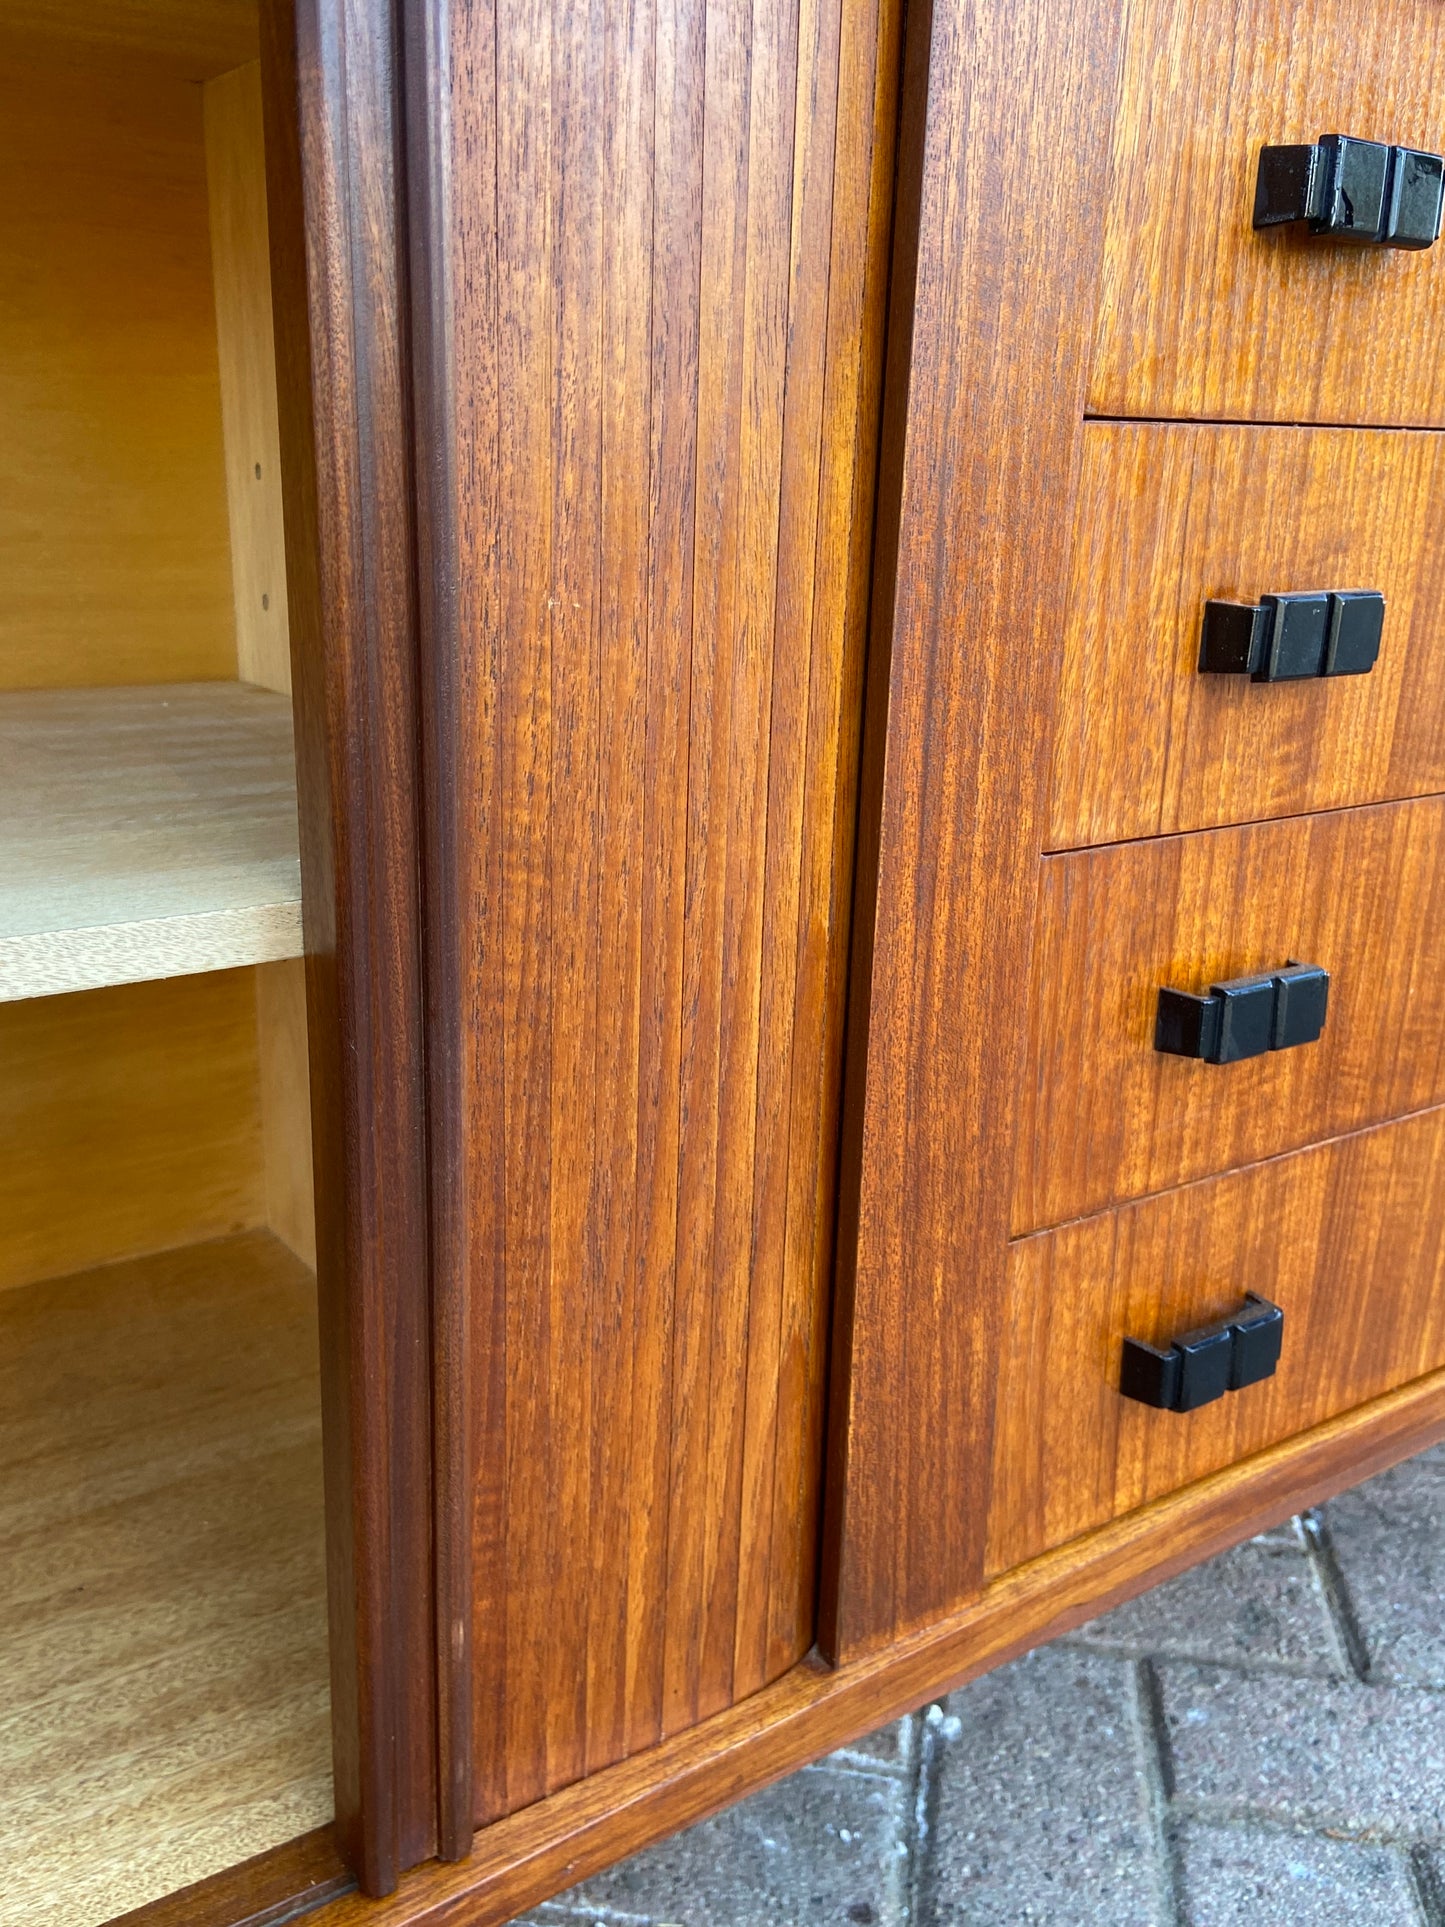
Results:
<point x="148" y="832"/>
<point x="113" y="539"/>
<point x="268" y="1890"/>
<point x="245" y="334"/>
<point x="530" y="1855"/>
<point x="1348" y="1237"/>
<point x="668" y="236"/>
<point x="1107" y="1117"/>
<point x="271" y="1888"/>
<point x="241" y="268"/>
<point x="1170" y="516"/>
<point x="1199" y="315"/>
<point x="192" y="40"/>
<point x="162" y="1577"/>
<point x="130" y="1120"/>
<point x="330" y="95"/>
<point x="426" y="62"/>
<point x="982" y="444"/>
<point x="286" y="1105"/>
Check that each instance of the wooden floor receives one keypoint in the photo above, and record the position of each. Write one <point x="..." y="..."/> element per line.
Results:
<point x="164" y="1707"/>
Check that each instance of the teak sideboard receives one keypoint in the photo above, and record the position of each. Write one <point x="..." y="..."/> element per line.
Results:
<point x="846" y="1066"/>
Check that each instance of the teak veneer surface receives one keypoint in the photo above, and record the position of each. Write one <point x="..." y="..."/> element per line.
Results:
<point x="162" y="1600"/>
<point x="1170" y="516"/>
<point x="988" y="359"/>
<point x="563" y="1839"/>
<point x="329" y="84"/>
<point x="665" y="248"/>
<point x="1199" y="315"/>
<point x="1348" y="1237"/>
<point x="1106" y="1117"/>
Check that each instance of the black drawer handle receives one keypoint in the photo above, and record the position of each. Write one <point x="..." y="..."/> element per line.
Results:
<point x="1352" y="190"/>
<point x="1246" y="1016"/>
<point x="1286" y="638"/>
<point x="1203" y="1365"/>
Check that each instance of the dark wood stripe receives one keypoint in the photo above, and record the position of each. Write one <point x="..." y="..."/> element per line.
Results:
<point x="280" y="1885"/>
<point x="427" y="57"/>
<point x="331" y="98"/>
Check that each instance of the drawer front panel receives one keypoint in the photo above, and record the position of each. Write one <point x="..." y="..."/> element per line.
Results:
<point x="1349" y="1238"/>
<point x="1104" y="1117"/>
<point x="1200" y="316"/>
<point x="1170" y="516"/>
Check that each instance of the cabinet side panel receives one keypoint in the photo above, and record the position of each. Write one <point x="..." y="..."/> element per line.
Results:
<point x="330" y="90"/>
<point x="667" y="230"/>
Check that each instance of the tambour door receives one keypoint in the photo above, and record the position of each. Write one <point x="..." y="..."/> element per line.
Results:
<point x="652" y="244"/>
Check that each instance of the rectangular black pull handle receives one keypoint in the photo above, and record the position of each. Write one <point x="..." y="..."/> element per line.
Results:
<point x="1366" y="193"/>
<point x="1202" y="1365"/>
<point x="1244" y="1017"/>
<point x="1288" y="638"/>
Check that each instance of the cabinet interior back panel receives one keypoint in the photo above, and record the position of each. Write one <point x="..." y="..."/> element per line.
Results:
<point x="114" y="548"/>
<point x="666" y="227"/>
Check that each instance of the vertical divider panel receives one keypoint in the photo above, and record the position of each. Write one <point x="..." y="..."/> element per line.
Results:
<point x="1005" y="140"/>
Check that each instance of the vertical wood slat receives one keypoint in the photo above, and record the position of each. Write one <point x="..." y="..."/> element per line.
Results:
<point x="718" y="402"/>
<point x="676" y="272"/>
<point x="470" y="694"/>
<point x="1007" y="106"/>
<point x="427" y="83"/>
<point x="525" y="237"/>
<point x="330" y="99"/>
<point x="627" y="213"/>
<point x="661" y="330"/>
<point x="869" y="54"/>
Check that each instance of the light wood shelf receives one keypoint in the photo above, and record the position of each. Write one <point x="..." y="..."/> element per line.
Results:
<point x="144" y="832"/>
<point x="162" y="1577"/>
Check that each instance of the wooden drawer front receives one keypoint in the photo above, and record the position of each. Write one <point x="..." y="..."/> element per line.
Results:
<point x="1349" y="1238"/>
<point x="1105" y="1117"/>
<point x="1201" y="316"/>
<point x="1170" y="516"/>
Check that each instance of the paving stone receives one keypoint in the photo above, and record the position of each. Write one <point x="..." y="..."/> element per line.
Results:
<point x="1362" y="1760"/>
<point x="1259" y="1604"/>
<point x="1291" y="1533"/>
<point x="892" y="1747"/>
<point x="1429" y="1869"/>
<point x="1389" y="1543"/>
<point x="1037" y="1800"/>
<point x="1246" y="1877"/>
<point x="1039" y="1813"/>
<point x="827" y="1845"/>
